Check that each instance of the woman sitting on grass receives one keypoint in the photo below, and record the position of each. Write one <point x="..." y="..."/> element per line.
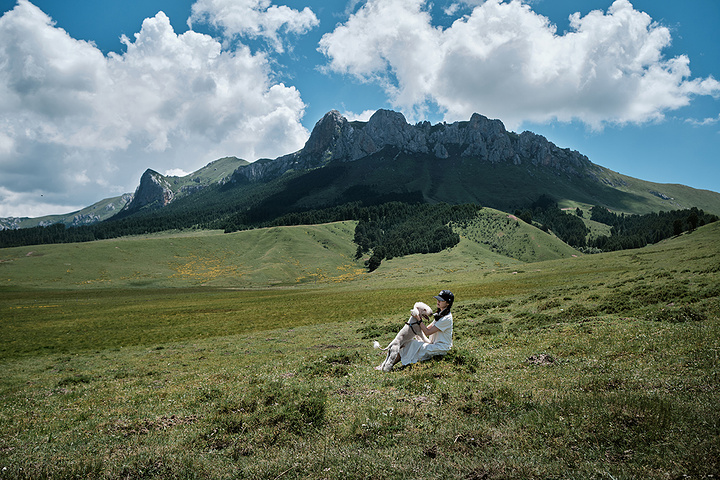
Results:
<point x="439" y="332"/>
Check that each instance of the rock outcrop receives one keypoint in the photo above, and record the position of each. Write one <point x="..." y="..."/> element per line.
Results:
<point x="154" y="191"/>
<point x="480" y="138"/>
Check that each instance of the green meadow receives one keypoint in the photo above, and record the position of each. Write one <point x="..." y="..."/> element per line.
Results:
<point x="249" y="355"/>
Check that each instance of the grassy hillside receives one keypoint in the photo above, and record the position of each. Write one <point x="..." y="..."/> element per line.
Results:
<point x="596" y="366"/>
<point x="509" y="236"/>
<point x="315" y="254"/>
<point x="210" y="174"/>
<point x="255" y="258"/>
<point x="667" y="196"/>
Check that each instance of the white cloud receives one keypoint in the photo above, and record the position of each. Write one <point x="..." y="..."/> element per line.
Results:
<point x="7" y="144"/>
<point x="704" y="122"/>
<point x="176" y="172"/>
<point x="390" y="42"/>
<point x="505" y="61"/>
<point x="452" y="9"/>
<point x="359" y="117"/>
<point x="34" y="204"/>
<point x="254" y="18"/>
<point x="80" y="126"/>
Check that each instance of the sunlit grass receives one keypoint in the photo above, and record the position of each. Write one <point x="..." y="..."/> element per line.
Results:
<point x="306" y="401"/>
<point x="601" y="366"/>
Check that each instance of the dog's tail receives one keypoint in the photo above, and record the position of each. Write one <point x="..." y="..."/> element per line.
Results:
<point x="377" y="345"/>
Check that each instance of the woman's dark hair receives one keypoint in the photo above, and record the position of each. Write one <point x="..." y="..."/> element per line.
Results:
<point x="445" y="296"/>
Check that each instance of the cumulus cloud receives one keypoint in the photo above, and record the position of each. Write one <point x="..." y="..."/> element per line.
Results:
<point x="390" y="42"/>
<point x="364" y="116"/>
<point x="506" y="61"/>
<point x="254" y="18"/>
<point x="80" y="126"/>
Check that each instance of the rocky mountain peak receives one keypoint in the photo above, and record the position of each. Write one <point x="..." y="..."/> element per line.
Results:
<point x="334" y="138"/>
<point x="154" y="190"/>
<point x="325" y="133"/>
<point x="386" y="122"/>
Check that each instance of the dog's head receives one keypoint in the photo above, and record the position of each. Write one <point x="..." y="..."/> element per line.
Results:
<point x="421" y="309"/>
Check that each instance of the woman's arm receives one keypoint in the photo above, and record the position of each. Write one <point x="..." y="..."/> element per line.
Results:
<point x="428" y="330"/>
<point x="425" y="329"/>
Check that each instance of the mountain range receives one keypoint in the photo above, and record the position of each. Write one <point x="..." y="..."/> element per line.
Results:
<point x="386" y="158"/>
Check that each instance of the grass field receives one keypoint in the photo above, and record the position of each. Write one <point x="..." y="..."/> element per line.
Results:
<point x="180" y="357"/>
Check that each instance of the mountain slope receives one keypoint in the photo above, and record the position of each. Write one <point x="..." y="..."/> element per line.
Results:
<point x="97" y="212"/>
<point x="475" y="161"/>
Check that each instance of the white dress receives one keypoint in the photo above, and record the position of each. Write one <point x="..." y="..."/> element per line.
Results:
<point x="440" y="343"/>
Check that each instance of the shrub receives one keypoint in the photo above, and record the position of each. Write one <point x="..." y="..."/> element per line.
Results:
<point x="373" y="330"/>
<point x="462" y="359"/>
<point x="74" y="380"/>
<point x="576" y="311"/>
<point x="678" y="314"/>
<point x="332" y="366"/>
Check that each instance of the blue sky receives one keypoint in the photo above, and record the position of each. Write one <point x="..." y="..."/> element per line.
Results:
<point x="93" y="93"/>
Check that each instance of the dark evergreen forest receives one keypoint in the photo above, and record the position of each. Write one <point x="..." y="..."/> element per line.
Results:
<point x="628" y="231"/>
<point x="549" y="217"/>
<point x="635" y="231"/>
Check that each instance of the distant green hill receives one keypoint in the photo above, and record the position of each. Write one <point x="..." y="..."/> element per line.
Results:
<point x="213" y="173"/>
<point x="312" y="254"/>
<point x="256" y="258"/>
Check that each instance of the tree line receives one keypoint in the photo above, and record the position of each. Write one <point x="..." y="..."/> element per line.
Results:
<point x="549" y="217"/>
<point x="627" y="231"/>
<point x="385" y="230"/>
<point x="635" y="231"/>
<point x="398" y="229"/>
<point x="59" y="233"/>
<point x="388" y="230"/>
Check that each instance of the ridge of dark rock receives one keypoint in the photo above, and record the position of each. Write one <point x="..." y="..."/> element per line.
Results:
<point x="334" y="138"/>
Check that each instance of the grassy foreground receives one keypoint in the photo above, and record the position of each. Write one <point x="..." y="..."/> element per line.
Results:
<point x="602" y="366"/>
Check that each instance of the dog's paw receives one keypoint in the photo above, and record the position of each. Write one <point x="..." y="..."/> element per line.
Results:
<point x="376" y="344"/>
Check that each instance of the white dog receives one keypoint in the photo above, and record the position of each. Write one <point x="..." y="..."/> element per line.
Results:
<point x="410" y="330"/>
